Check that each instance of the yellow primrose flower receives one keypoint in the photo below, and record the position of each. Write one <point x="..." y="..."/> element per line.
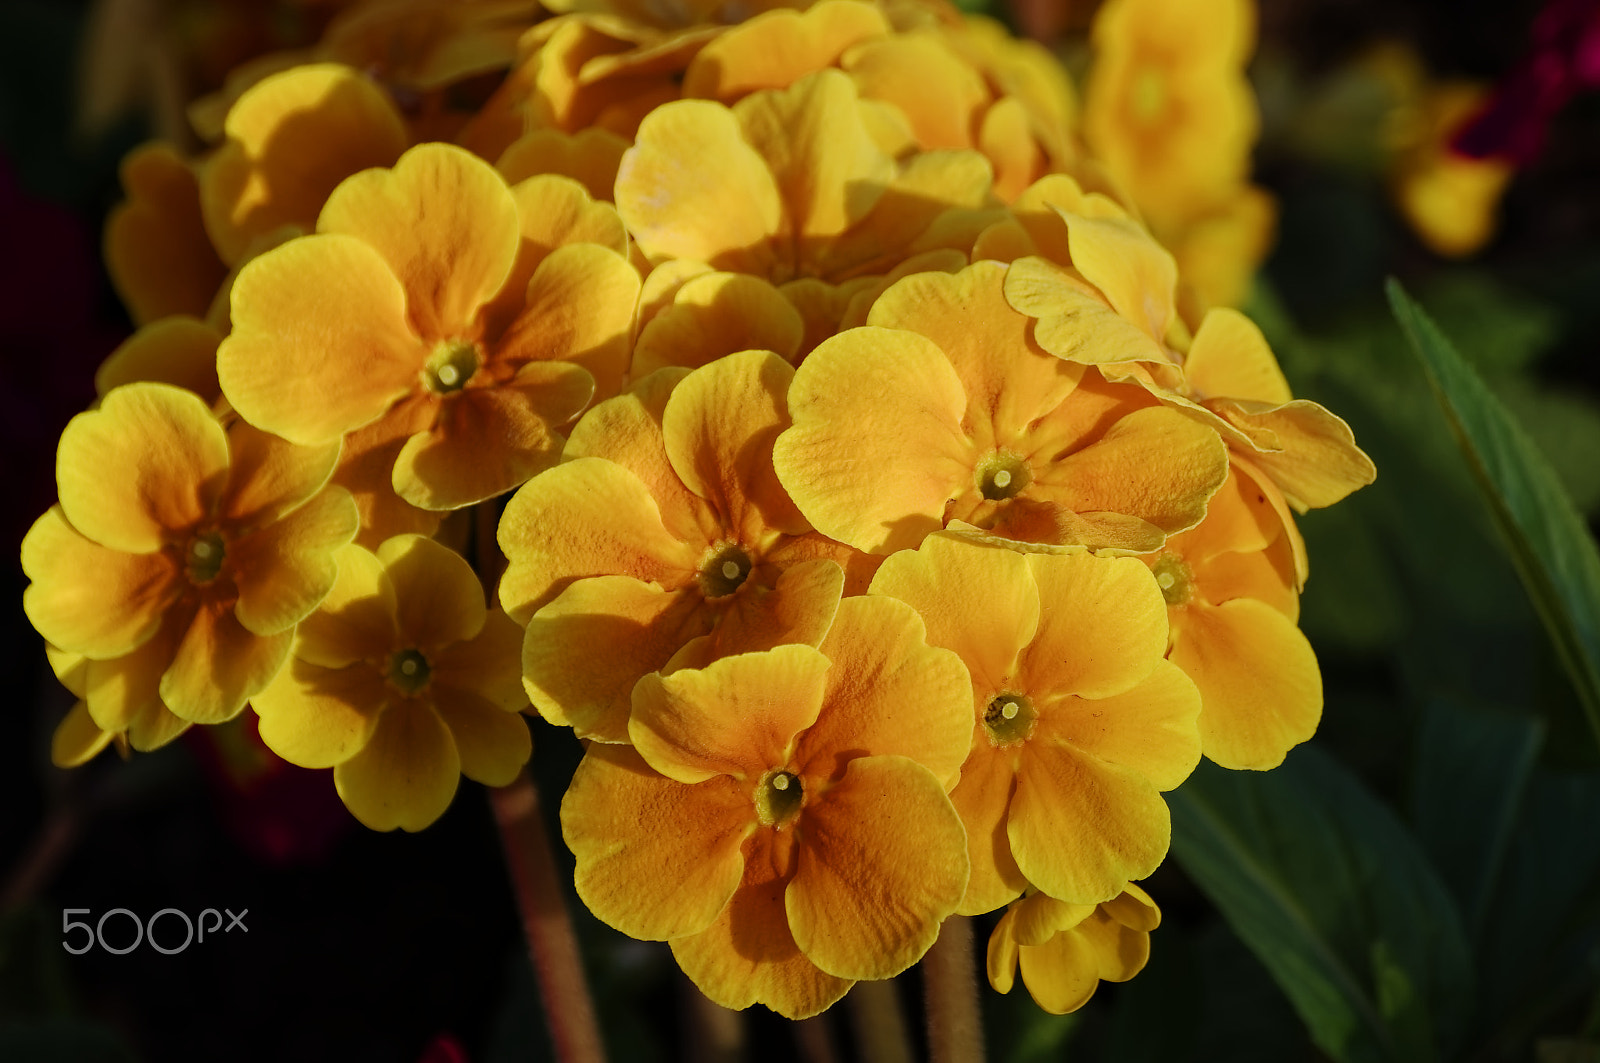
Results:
<point x="158" y="254"/>
<point x="781" y="817"/>
<point x="944" y="409"/>
<point x="1066" y="950"/>
<point x="1230" y="587"/>
<point x="1078" y="723"/>
<point x="1449" y="199"/>
<point x="790" y="184"/>
<point x="450" y="324"/>
<point x="666" y="537"/>
<point x="181" y="555"/>
<point x="401" y="683"/>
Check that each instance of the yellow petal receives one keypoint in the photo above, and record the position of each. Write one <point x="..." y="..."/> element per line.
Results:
<point x="356" y="621"/>
<point x="799" y="607"/>
<point x="160" y="260"/>
<point x="924" y="78"/>
<point x="1000" y="958"/>
<point x="716" y="315"/>
<point x="1150" y="727"/>
<point x="438" y="599"/>
<point x="776" y="48"/>
<point x="489" y="664"/>
<point x="983" y="800"/>
<point x="123" y="691"/>
<point x="178" y="350"/>
<point x="268" y="476"/>
<point x="406" y="774"/>
<point x="317" y="717"/>
<point x="980" y="601"/>
<point x="149" y="463"/>
<point x="856" y="401"/>
<point x="738" y="716"/>
<point x="1230" y="359"/>
<point x="578" y="307"/>
<point x="444" y="222"/>
<point x="883" y="861"/>
<point x="590" y="157"/>
<point x="284" y="570"/>
<point x="1260" y="688"/>
<point x="1318" y="462"/>
<point x="1103" y="627"/>
<point x="1062" y="974"/>
<point x="889" y="692"/>
<point x="220" y="666"/>
<point x="1120" y="951"/>
<point x="641" y="625"/>
<point x="320" y="343"/>
<point x="1040" y="917"/>
<point x="91" y="600"/>
<point x="655" y="858"/>
<point x="1074" y="324"/>
<point x="76" y="739"/>
<point x="493" y="744"/>
<point x="1138" y="276"/>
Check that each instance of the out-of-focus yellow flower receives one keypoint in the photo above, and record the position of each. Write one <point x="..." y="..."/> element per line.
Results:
<point x="1230" y="586"/>
<point x="1079" y="724"/>
<point x="944" y="409"/>
<point x="450" y="324"/>
<point x="1066" y="950"/>
<point x="158" y="254"/>
<point x="1169" y="113"/>
<point x="1449" y="199"/>
<point x="401" y="683"/>
<point x="177" y="350"/>
<point x="180" y="556"/>
<point x="666" y="537"/>
<point x="781" y="818"/>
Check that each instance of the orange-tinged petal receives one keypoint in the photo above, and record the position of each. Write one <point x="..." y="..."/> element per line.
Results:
<point x="1116" y="473"/>
<point x="883" y="861"/>
<point x="590" y="157"/>
<point x="1150" y="728"/>
<point x="692" y="187"/>
<point x="1318" y="463"/>
<point x="1120" y="951"/>
<point x="489" y="440"/>
<point x="91" y="600"/>
<point x="1138" y="276"/>
<point x="178" y="350"/>
<point x="220" y="665"/>
<point x="1230" y="359"/>
<point x="160" y="260"/>
<point x="889" y="692"/>
<point x="932" y="86"/>
<point x="655" y="858"/>
<point x="320" y="343"/>
<point x="557" y="210"/>
<point x="125" y="690"/>
<point x="748" y="954"/>
<point x="444" y="222"/>
<point x="150" y="462"/>
<point x="586" y="517"/>
<point x="1072" y="323"/>
<point x="493" y="744"/>
<point x="856" y="400"/>
<point x="366" y="470"/>
<point x="983" y="800"/>
<point x="1041" y="917"/>
<point x="1260" y="688"/>
<point x="291" y="139"/>
<point x="1102" y="628"/>
<point x="1006" y="139"/>
<point x="356" y="621"/>
<point x="1062" y="974"/>
<point x="284" y="570"/>
<point x="718" y="428"/>
<point x="640" y="625"/>
<point x="77" y="739"/>
<point x="317" y="717"/>
<point x="268" y="476"/>
<point x="1000" y="957"/>
<point x="1080" y="827"/>
<point x="578" y="308"/>
<point x="438" y="599"/>
<point x="777" y="48"/>
<point x="738" y="716"/>
<point x="1134" y="909"/>
<point x="798" y="608"/>
<point x="406" y="774"/>
<point x="977" y="600"/>
<point x="489" y="664"/>
<point x="1239" y="519"/>
<point x="716" y="315"/>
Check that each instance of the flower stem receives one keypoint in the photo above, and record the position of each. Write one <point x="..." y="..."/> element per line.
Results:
<point x="881" y="1033"/>
<point x="552" y="946"/>
<point x="950" y="988"/>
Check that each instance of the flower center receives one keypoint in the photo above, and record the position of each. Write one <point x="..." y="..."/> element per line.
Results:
<point x="1174" y="578"/>
<point x="450" y="366"/>
<point x="1002" y="475"/>
<point x="779" y="796"/>
<point x="724" y="570"/>
<point x="1009" y="719"/>
<point x="1149" y="94"/>
<point x="409" y="671"/>
<point x="205" y="556"/>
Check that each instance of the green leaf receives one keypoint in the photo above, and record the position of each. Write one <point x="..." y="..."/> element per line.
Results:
<point x="1336" y="900"/>
<point x="1549" y="544"/>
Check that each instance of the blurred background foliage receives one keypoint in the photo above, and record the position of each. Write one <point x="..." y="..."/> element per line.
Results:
<point x="1420" y="883"/>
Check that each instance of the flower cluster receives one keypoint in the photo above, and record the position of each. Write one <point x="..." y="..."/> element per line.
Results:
<point x="890" y="517"/>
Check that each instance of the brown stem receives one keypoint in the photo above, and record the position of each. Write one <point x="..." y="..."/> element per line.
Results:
<point x="950" y="987"/>
<point x="882" y="1035"/>
<point x="814" y="1040"/>
<point x="552" y="946"/>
